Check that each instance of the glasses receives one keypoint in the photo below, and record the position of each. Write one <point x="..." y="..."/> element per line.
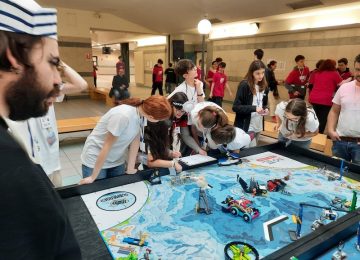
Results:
<point x="293" y="119"/>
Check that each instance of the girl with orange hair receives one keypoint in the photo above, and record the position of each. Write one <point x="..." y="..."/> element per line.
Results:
<point x="105" y="149"/>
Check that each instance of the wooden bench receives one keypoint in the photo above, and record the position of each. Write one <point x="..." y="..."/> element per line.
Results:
<point x="77" y="124"/>
<point x="102" y="94"/>
<point x="320" y="142"/>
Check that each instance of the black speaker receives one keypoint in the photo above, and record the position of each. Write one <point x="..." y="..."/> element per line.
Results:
<point x="106" y="50"/>
<point x="178" y="49"/>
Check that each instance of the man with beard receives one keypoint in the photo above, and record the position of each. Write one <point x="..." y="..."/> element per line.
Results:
<point x="32" y="219"/>
<point x="39" y="136"/>
<point x="344" y="117"/>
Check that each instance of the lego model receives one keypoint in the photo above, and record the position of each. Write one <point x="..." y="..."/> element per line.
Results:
<point x="137" y="241"/>
<point x="241" y="207"/>
<point x="254" y="188"/>
<point x="182" y="178"/>
<point x="240" y="251"/>
<point x="277" y="185"/>
<point x="339" y="254"/>
<point x="327" y="216"/>
<point x="203" y="203"/>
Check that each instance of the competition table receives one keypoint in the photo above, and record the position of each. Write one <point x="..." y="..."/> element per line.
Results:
<point x="307" y="247"/>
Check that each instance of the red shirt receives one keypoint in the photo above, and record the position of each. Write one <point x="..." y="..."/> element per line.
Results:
<point x="199" y="73"/>
<point x="325" y="83"/>
<point x="219" y="82"/>
<point x="158" y="72"/>
<point x="210" y="74"/>
<point x="119" y="64"/>
<point x="298" y="77"/>
<point x="180" y="122"/>
<point x="345" y="74"/>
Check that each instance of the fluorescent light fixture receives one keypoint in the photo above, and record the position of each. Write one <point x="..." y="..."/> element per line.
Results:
<point x="157" y="40"/>
<point x="234" y="30"/>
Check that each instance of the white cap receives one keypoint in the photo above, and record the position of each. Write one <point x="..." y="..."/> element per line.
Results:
<point x="26" y="16"/>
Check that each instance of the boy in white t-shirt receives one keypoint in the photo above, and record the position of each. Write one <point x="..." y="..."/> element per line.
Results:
<point x="344" y="117"/>
<point x="192" y="87"/>
<point x="296" y="123"/>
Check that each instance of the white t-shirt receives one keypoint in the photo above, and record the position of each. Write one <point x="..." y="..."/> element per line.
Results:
<point x="190" y="93"/>
<point x="39" y="137"/>
<point x="241" y="140"/>
<point x="194" y="114"/>
<point x="348" y="97"/>
<point x="121" y="121"/>
<point x="256" y="121"/>
<point x="311" y="125"/>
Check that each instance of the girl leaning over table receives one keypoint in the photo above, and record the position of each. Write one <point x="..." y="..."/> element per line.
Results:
<point x="296" y="122"/>
<point x="116" y="137"/>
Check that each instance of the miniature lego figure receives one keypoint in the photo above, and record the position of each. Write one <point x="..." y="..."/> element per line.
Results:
<point x="339" y="255"/>
<point x="254" y="188"/>
<point x="203" y="204"/>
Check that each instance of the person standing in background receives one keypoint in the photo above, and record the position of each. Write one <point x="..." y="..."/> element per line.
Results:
<point x="342" y="68"/>
<point x="211" y="72"/>
<point x="273" y="88"/>
<point x="157" y="77"/>
<point x="170" y="82"/>
<point x="250" y="104"/>
<point x="324" y="84"/>
<point x="297" y="80"/>
<point x="258" y="54"/>
<point x="219" y="85"/>
<point x="95" y="68"/>
<point x="120" y="64"/>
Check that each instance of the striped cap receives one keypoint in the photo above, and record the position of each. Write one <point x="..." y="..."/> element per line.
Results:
<point x="26" y="16"/>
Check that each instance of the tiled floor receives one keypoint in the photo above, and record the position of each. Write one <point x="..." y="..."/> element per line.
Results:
<point x="71" y="145"/>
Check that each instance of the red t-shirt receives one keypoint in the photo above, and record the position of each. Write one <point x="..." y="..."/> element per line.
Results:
<point x="219" y="81"/>
<point x="180" y="122"/>
<point x="298" y="77"/>
<point x="158" y="72"/>
<point x="324" y="87"/>
<point x="120" y="64"/>
<point x="210" y="74"/>
<point x="198" y="73"/>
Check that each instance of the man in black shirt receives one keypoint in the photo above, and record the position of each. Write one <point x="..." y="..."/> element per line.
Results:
<point x="170" y="82"/>
<point x="33" y="221"/>
<point x="120" y="85"/>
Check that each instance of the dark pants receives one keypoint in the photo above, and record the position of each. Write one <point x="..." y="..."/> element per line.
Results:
<point x="95" y="81"/>
<point x="322" y="112"/>
<point x="157" y="85"/>
<point x="217" y="100"/>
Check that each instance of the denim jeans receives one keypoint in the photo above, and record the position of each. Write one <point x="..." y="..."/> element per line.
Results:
<point x="302" y="144"/>
<point x="104" y="173"/>
<point x="348" y="151"/>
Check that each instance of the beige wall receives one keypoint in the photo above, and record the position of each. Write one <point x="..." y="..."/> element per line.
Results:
<point x="146" y="57"/>
<point x="77" y="53"/>
<point x="77" y="23"/>
<point x="315" y="45"/>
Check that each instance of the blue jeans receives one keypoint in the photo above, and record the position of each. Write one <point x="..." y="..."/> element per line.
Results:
<point x="104" y="173"/>
<point x="348" y="151"/>
<point x="302" y="144"/>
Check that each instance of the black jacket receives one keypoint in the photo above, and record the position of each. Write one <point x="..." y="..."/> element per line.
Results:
<point x="120" y="85"/>
<point x="243" y="105"/>
<point x="270" y="78"/>
<point x="33" y="221"/>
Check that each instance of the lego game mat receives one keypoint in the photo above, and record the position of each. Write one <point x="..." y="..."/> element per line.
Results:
<point x="164" y="218"/>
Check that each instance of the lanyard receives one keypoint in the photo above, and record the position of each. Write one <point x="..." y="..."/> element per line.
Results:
<point x="192" y="98"/>
<point x="31" y="140"/>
